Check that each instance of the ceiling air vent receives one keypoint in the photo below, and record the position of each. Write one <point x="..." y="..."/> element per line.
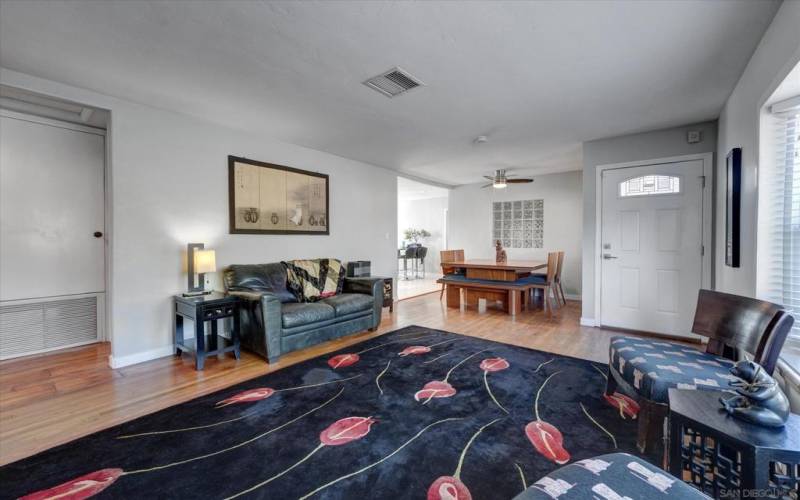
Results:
<point x="393" y="82"/>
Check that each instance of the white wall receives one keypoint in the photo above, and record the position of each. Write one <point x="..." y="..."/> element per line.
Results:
<point x="643" y="146"/>
<point x="740" y="126"/>
<point x="776" y="55"/>
<point x="168" y="186"/>
<point x="470" y="221"/>
<point x="424" y="214"/>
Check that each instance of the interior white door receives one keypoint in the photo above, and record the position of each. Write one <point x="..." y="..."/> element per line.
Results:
<point x="51" y="205"/>
<point x="652" y="233"/>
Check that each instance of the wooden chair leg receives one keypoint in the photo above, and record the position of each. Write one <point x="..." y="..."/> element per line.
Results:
<point x="611" y="383"/>
<point x="549" y="301"/>
<point x="651" y="425"/>
<point x="643" y="424"/>
<point x="563" y="297"/>
<point x="441" y="294"/>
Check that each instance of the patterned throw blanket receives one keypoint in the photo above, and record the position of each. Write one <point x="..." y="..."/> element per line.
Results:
<point x="312" y="280"/>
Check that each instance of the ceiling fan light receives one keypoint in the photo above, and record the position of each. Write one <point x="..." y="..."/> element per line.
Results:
<point x="499" y="184"/>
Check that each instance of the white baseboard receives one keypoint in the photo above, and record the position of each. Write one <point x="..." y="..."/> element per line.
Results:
<point x="571" y="296"/>
<point x="588" y="322"/>
<point x="140" y="357"/>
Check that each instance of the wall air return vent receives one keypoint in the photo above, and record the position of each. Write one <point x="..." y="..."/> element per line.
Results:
<point x="47" y="325"/>
<point x="393" y="82"/>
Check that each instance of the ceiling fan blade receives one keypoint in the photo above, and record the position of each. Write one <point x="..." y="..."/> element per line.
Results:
<point x="488" y="177"/>
<point x="519" y="181"/>
<point x="487" y="185"/>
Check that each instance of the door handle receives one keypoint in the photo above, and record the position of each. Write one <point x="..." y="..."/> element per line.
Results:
<point x="98" y="234"/>
<point x="608" y="256"/>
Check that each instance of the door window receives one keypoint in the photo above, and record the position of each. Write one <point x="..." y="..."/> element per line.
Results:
<point x="649" y="185"/>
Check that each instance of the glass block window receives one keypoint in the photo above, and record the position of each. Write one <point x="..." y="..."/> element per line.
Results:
<point x="650" y="184"/>
<point x="518" y="224"/>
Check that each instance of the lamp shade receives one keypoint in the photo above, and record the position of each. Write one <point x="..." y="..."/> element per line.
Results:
<point x="205" y="261"/>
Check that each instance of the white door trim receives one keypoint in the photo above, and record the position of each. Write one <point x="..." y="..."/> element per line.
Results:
<point x="707" y="230"/>
<point x="51" y="122"/>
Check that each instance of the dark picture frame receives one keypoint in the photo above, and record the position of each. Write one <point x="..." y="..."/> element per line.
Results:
<point x="265" y="198"/>
<point x="733" y="206"/>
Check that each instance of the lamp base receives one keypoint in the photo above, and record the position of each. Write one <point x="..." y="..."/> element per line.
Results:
<point x="196" y="294"/>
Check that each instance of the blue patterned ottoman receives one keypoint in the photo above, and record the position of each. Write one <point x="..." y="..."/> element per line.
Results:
<point x="651" y="367"/>
<point x="616" y="476"/>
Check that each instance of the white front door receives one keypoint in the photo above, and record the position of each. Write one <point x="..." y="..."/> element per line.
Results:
<point x="652" y="234"/>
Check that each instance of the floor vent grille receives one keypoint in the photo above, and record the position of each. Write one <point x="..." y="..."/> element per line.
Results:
<point x="40" y="326"/>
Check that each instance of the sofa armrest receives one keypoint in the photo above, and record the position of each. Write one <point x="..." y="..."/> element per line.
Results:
<point x="261" y="323"/>
<point x="368" y="286"/>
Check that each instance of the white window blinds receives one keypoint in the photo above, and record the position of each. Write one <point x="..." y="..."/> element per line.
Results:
<point x="782" y="190"/>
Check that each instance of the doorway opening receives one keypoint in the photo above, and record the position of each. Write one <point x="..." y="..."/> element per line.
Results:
<point x="422" y="234"/>
<point x="52" y="223"/>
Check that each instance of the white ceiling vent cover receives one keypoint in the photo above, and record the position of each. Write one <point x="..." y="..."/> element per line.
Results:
<point x="394" y="82"/>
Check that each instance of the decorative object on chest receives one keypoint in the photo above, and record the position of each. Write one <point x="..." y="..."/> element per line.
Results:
<point x="758" y="398"/>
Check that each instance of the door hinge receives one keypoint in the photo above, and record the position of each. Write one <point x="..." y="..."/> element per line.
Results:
<point x="703" y="181"/>
<point x="702" y="249"/>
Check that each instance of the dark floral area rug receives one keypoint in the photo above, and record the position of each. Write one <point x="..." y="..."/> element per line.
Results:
<point x="417" y="413"/>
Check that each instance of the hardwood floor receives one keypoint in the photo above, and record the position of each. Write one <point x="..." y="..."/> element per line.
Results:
<point x="405" y="289"/>
<point x="52" y="399"/>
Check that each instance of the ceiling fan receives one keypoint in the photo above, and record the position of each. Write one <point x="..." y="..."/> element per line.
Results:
<point x="500" y="180"/>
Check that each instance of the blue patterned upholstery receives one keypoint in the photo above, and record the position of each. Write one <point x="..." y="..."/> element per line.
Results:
<point x="617" y="475"/>
<point x="651" y="367"/>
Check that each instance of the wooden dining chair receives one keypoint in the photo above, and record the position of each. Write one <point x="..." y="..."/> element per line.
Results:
<point x="449" y="256"/>
<point x="547" y="283"/>
<point x="559" y="290"/>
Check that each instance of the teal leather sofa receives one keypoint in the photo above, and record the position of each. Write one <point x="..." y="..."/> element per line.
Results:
<point x="273" y="322"/>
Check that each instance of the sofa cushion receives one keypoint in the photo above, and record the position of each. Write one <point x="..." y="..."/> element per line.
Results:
<point x="348" y="303"/>
<point x="312" y="280"/>
<point x="651" y="367"/>
<point x="298" y="314"/>
<point x="616" y="475"/>
<point x="259" y="278"/>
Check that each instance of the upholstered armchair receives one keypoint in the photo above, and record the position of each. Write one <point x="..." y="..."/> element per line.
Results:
<point x="645" y="369"/>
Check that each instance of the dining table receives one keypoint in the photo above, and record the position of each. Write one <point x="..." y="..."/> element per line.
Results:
<point x="488" y="269"/>
<point x="489" y="280"/>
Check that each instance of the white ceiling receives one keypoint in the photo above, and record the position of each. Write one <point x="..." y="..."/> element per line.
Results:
<point x="537" y="78"/>
<point x="409" y="190"/>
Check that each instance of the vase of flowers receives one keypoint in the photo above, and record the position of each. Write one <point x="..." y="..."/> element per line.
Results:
<point x="416" y="235"/>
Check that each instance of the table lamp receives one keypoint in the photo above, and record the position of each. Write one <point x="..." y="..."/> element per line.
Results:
<point x="200" y="261"/>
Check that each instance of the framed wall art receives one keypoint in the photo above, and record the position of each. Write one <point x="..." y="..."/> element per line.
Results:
<point x="733" y="202"/>
<point x="275" y="199"/>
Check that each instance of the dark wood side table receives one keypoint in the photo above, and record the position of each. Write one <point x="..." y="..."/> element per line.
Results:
<point x="727" y="458"/>
<point x="388" y="293"/>
<point x="200" y="309"/>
